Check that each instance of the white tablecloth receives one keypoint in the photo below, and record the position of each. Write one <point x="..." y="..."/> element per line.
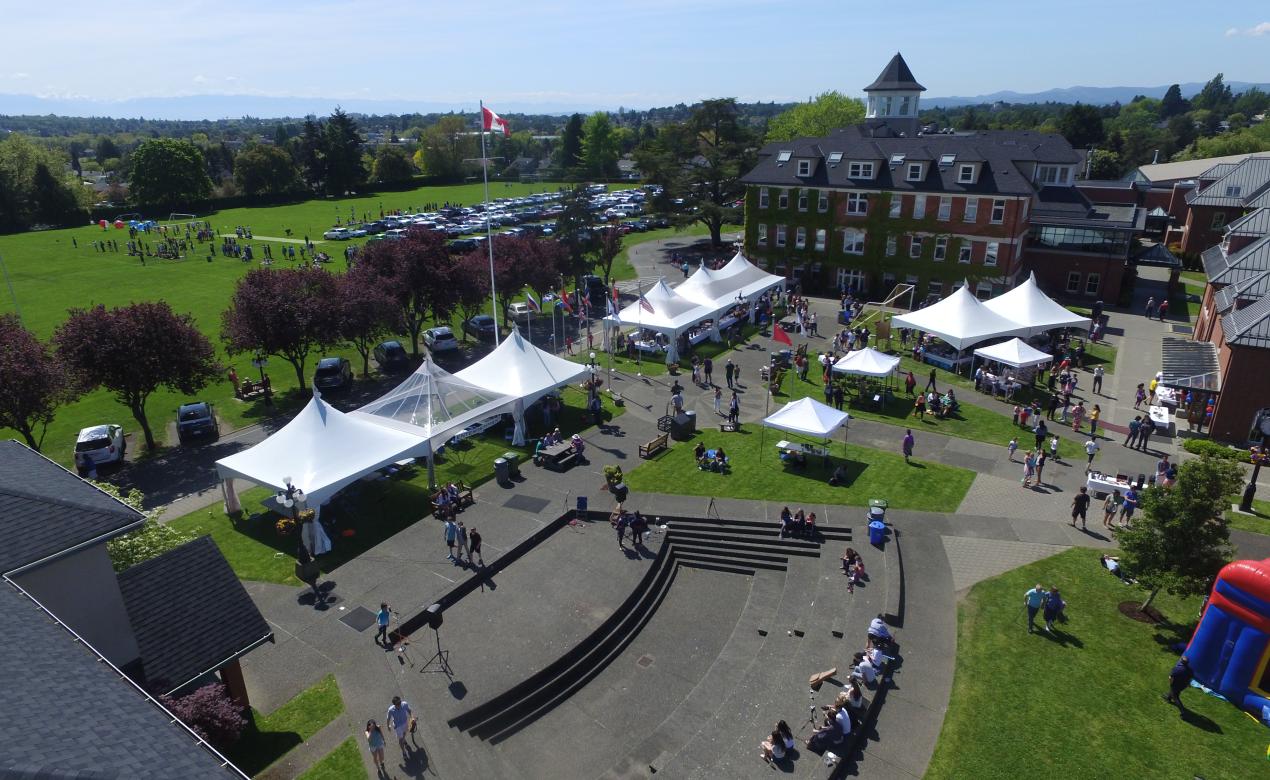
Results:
<point x="1166" y="396"/>
<point x="1102" y="484"/>
<point x="1162" y="417"/>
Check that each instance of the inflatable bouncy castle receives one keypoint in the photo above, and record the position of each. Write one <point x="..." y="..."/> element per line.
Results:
<point x="1230" y="650"/>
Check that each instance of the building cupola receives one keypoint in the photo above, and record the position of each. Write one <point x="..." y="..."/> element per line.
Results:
<point x="893" y="100"/>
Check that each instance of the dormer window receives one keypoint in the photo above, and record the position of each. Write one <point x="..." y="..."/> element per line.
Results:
<point x="1053" y="174"/>
<point x="966" y="174"/>
<point x="897" y="160"/>
<point x="915" y="171"/>
<point x="804" y="167"/>
<point x="946" y="160"/>
<point x="860" y="170"/>
<point x="835" y="158"/>
<point x="1233" y="192"/>
<point x="783" y="157"/>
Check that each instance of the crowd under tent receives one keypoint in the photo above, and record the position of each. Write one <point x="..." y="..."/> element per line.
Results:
<point x="961" y="320"/>
<point x="1034" y="310"/>
<point x="1015" y="353"/>
<point x="519" y="369"/>
<point x="867" y="362"/>
<point x="322" y="450"/>
<point x="671" y="315"/>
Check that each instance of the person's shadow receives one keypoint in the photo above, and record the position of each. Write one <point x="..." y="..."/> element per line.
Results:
<point x="1193" y="718"/>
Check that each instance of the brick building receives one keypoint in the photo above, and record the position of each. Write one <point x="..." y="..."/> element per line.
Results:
<point x="1224" y="193"/>
<point x="889" y="202"/>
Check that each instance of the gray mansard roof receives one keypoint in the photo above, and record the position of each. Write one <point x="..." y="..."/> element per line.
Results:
<point x="895" y="76"/>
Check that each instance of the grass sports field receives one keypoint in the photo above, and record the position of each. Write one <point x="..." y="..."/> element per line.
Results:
<point x="50" y="274"/>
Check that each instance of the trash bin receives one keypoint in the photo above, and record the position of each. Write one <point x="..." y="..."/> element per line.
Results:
<point x="679" y="430"/>
<point x="691" y="422"/>
<point x="513" y="464"/>
<point x="877" y="532"/>
<point x="501" y="471"/>
<point x="582" y="505"/>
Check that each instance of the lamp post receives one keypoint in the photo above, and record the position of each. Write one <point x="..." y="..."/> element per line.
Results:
<point x="1259" y="455"/>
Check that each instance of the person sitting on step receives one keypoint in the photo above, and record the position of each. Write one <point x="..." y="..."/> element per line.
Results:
<point x="800" y="522"/>
<point x="787" y="522"/>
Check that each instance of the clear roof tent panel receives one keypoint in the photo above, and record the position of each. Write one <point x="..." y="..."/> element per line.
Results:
<point x="431" y="399"/>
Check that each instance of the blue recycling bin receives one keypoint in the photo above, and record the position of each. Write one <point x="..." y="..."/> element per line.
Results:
<point x="877" y="532"/>
<point x="582" y="504"/>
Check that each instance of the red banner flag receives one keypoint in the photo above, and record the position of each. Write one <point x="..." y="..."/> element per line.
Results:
<point x="779" y="334"/>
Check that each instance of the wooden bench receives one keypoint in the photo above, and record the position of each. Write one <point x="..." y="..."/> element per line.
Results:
<point x="655" y="446"/>
<point x="561" y="463"/>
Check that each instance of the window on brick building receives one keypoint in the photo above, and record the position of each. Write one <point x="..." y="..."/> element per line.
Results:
<point x="897" y="204"/>
<point x="853" y="242"/>
<point x="857" y="203"/>
<point x="763" y="197"/>
<point x="998" y="211"/>
<point x="821" y="235"/>
<point x="990" y="254"/>
<point x="800" y="238"/>
<point x="964" y="252"/>
<point x="972" y="210"/>
<point x="945" y="208"/>
<point x="822" y="203"/>
<point x="1093" y="282"/>
<point x="919" y="207"/>
<point x="1073" y="282"/>
<point x="780" y="235"/>
<point x="941" y="248"/>
<point x="891" y="244"/>
<point x="762" y="235"/>
<point x="802" y="200"/>
<point x="915" y="247"/>
<point x="1219" y="220"/>
<point x="782" y="200"/>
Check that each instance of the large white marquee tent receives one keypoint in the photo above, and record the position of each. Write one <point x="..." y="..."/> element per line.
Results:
<point x="1033" y="309"/>
<point x="961" y="320"/>
<point x="671" y="315"/>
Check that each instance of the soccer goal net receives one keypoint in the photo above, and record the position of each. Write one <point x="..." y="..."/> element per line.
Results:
<point x="178" y="217"/>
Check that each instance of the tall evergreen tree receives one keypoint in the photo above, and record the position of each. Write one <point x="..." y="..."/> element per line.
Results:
<point x="571" y="143"/>
<point x="312" y="157"/>
<point x="345" y="171"/>
<point x="600" y="148"/>
<point x="1173" y="103"/>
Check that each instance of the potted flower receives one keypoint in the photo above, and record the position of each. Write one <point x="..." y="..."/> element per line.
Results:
<point x="285" y="526"/>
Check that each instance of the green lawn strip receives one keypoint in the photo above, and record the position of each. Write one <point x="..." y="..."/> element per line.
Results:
<point x="1013" y="713"/>
<point x="1197" y="278"/>
<point x="50" y="275"/>
<point x="1258" y="522"/>
<point x="269" y="737"/>
<point x="972" y="422"/>
<point x="757" y="473"/>
<point x="342" y="763"/>
<point x="373" y="511"/>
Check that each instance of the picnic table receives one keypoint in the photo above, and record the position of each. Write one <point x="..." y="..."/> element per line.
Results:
<point x="805" y="449"/>
<point x="557" y="455"/>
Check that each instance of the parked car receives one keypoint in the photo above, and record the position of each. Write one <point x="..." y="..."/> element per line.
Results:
<point x="194" y="420"/>
<point x="333" y="373"/>
<point x="481" y="326"/>
<point x="336" y="234"/>
<point x="520" y="311"/>
<point x="97" y="445"/>
<point x="440" y="339"/>
<point x="391" y="357"/>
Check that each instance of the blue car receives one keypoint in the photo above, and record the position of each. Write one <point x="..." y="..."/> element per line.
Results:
<point x="195" y="421"/>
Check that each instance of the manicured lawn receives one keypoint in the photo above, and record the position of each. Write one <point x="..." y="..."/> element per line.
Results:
<point x="1084" y="703"/>
<point x="342" y="763"/>
<point x="373" y="511"/>
<point x="269" y="737"/>
<point x="50" y="275"/>
<point x="1196" y="278"/>
<point x="1258" y="522"/>
<point x="757" y="473"/>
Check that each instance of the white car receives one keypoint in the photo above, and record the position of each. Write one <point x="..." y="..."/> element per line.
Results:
<point x="440" y="339"/>
<point x="336" y="234"/>
<point x="99" y="444"/>
<point x="520" y="311"/>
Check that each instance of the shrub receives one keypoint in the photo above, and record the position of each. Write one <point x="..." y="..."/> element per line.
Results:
<point x="1215" y="449"/>
<point x="211" y="713"/>
<point x="149" y="541"/>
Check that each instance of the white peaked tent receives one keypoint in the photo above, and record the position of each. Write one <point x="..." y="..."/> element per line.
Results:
<point x="1015" y="352"/>
<point x="808" y="417"/>
<point x="707" y="288"/>
<point x="322" y="450"/>
<point x="672" y="315"/>
<point x="518" y="368"/>
<point x="961" y="320"/>
<point x="434" y="404"/>
<point x="1034" y="310"/>
<point x="867" y="361"/>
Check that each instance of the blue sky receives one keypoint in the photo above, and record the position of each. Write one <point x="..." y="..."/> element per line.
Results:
<point x="615" y="52"/>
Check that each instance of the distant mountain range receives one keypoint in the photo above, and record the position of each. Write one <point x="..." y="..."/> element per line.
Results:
<point x="194" y="107"/>
<point x="1089" y="95"/>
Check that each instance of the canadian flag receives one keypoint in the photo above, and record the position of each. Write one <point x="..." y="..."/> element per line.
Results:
<point x="492" y="121"/>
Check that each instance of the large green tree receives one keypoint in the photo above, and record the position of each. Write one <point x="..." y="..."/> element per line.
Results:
<point x="700" y="164"/>
<point x="342" y="148"/>
<point x="826" y="112"/>
<point x="1173" y="103"/>
<point x="1081" y="125"/>
<point x="392" y="165"/>
<point x="1179" y="540"/>
<point x="571" y="144"/>
<point x="444" y="146"/>
<point x="168" y="172"/>
<point x="600" y="146"/>
<point x="265" y="170"/>
<point x="1215" y="96"/>
<point x="575" y="232"/>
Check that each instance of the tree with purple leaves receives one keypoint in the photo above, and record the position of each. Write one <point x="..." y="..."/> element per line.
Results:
<point x="134" y="350"/>
<point x="286" y="313"/>
<point x="33" y="382"/>
<point x="365" y="311"/>
<point x="211" y="713"/>
<point x="419" y="272"/>
<point x="521" y="262"/>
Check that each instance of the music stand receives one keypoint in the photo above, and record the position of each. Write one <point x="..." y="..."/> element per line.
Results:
<point x="441" y="658"/>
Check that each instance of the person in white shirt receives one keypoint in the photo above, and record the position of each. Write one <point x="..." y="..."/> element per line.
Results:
<point x="863" y="670"/>
<point x="399" y="717"/>
<point x="878" y="632"/>
<point x="1091" y="448"/>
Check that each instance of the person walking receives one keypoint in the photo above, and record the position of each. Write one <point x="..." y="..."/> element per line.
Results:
<point x="1128" y="506"/>
<point x="622" y="522"/>
<point x="1054" y="448"/>
<point x="907" y="444"/>
<point x="1144" y="433"/>
<point x="474" y="547"/>
<point x="1040" y="432"/>
<point x="1029" y="468"/>
<point x="460" y="543"/>
<point x="1093" y="420"/>
<point x="1053" y="406"/>
<point x="1150" y="310"/>
<point x="1091" y="448"/>
<point x="1110" y="507"/>
<point x="1135" y="427"/>
<point x="718" y="401"/>
<point x="1033" y="600"/>
<point x="375" y="741"/>
<point x="707" y="368"/>
<point x="1012" y="447"/>
<point x="1053" y="608"/>
<point x="451" y="535"/>
<point x="1098" y="372"/>
<point x="910" y="382"/>
<point x="1040" y="466"/>
<point x="399" y="719"/>
<point x="1179" y="680"/>
<point x="728" y="370"/>
<point x="1164" y="309"/>
<point x="381" y="619"/>
<point x="930" y="383"/>
<point x="1080" y="506"/>
<point x="1139" y="395"/>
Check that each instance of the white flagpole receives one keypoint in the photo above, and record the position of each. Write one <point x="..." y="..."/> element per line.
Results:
<point x="489" y="230"/>
<point x="639" y="334"/>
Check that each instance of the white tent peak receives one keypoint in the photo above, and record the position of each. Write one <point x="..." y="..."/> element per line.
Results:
<point x="432" y="403"/>
<point x="1027" y="305"/>
<point x="1016" y="352"/>
<point x="518" y="368"/>
<point x="961" y="320"/>
<point x="867" y="361"/>
<point x="809" y="417"/>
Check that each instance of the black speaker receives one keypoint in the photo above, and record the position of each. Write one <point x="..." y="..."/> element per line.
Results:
<point x="434" y="616"/>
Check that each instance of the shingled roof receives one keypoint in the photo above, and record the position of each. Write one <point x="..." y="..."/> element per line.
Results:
<point x="46" y="510"/>
<point x="67" y="714"/>
<point x="190" y="614"/>
<point x="895" y="75"/>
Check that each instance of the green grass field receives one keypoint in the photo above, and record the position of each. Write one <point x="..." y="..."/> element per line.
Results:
<point x="757" y="473"/>
<point x="1084" y="703"/>
<point x="342" y="763"/>
<point x="50" y="275"/>
<point x="1258" y="522"/>
<point x="269" y="737"/>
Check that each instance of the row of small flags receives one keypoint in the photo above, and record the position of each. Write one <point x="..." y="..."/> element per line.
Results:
<point x="562" y="302"/>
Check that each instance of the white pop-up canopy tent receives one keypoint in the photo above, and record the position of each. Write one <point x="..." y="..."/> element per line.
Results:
<point x="517" y="368"/>
<point x="671" y="314"/>
<point x="1034" y="310"/>
<point x="434" y="404"/>
<point x="322" y="450"/>
<point x="1015" y="352"/>
<point x="961" y="320"/>
<point x="808" y="417"/>
<point x="868" y="362"/>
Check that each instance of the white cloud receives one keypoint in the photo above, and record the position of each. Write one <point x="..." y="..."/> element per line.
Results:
<point x="200" y="79"/>
<point x="1256" y="31"/>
